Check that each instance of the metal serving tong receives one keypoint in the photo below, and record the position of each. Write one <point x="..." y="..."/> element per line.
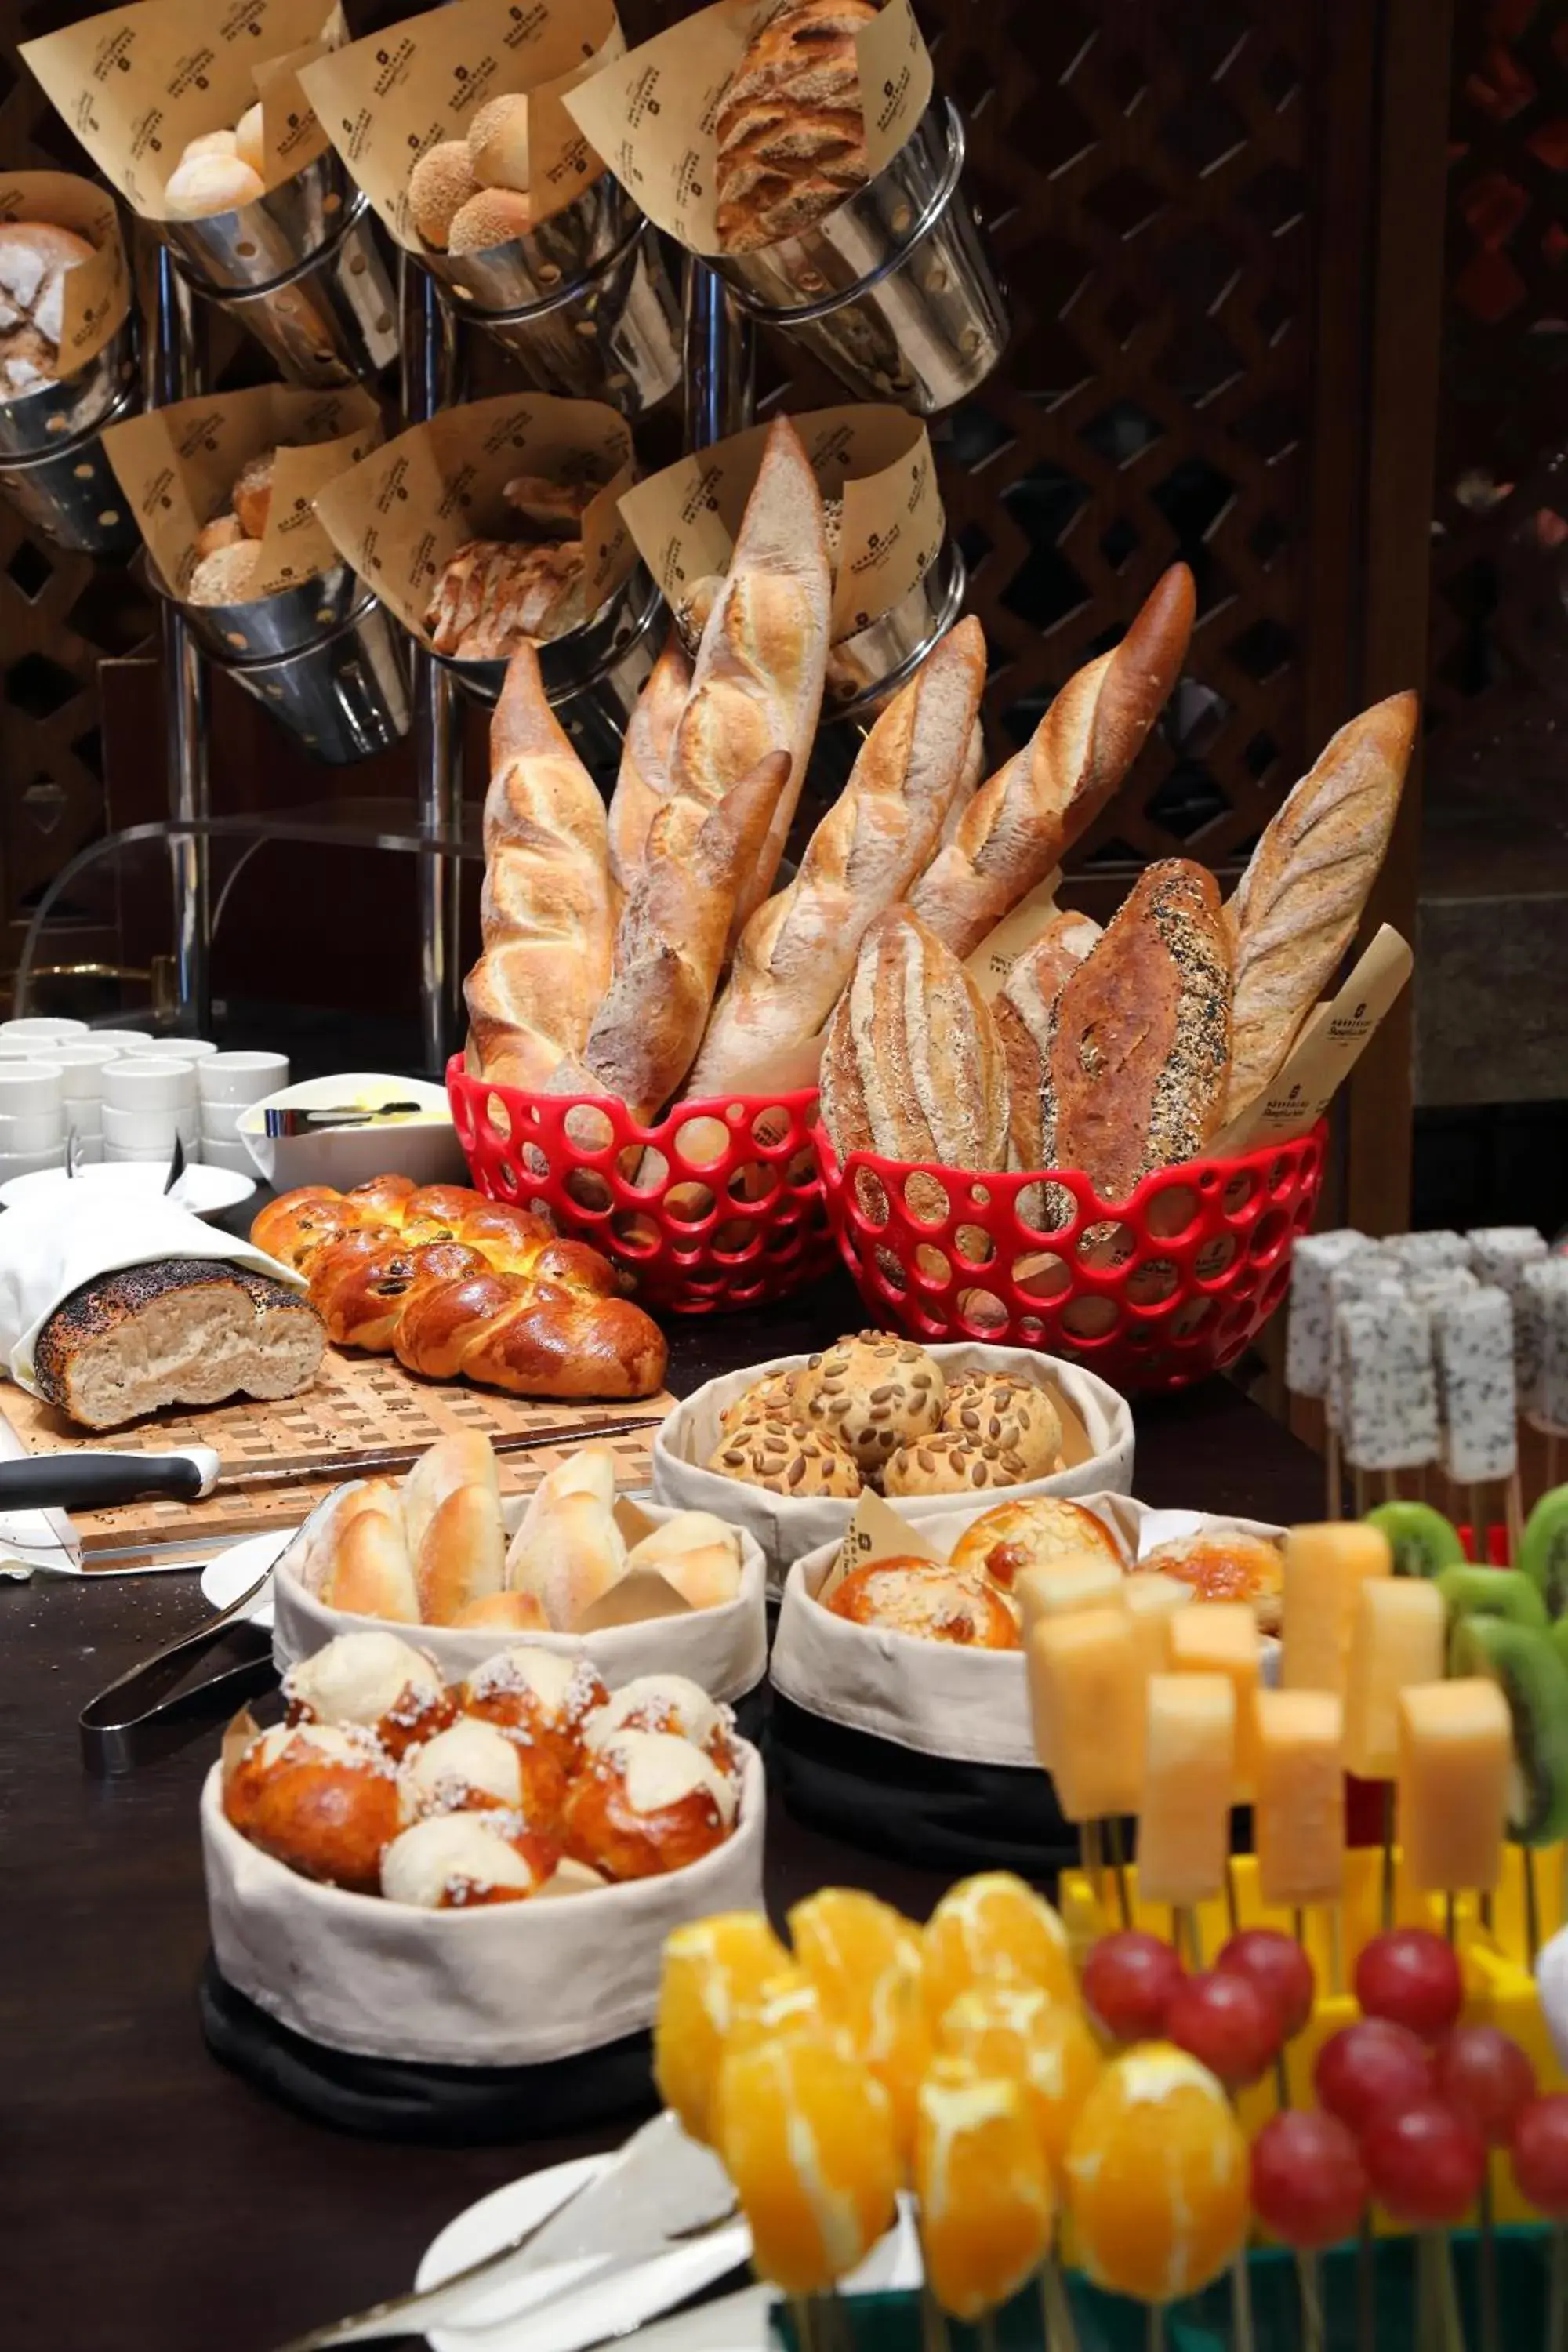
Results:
<point x="133" y="1720"/>
<point x="291" y="1120"/>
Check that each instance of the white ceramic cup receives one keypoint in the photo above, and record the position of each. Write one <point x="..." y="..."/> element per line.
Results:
<point x="175" y="1049"/>
<point x="29" y="1088"/>
<point x="125" y="1041"/>
<point x="28" y="1164"/>
<point x="85" y="1120"/>
<point x="219" y="1153"/>
<point x="149" y="1130"/>
<point x="145" y="1082"/>
<point x="161" y="1153"/>
<point x="241" y="1078"/>
<point x="42" y="1030"/>
<point x="37" y="1130"/>
<point x="220" y="1121"/>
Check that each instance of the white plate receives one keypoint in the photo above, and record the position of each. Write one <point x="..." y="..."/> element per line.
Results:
<point x="233" y="1572"/>
<point x="204" y="1190"/>
<point x="734" y="2323"/>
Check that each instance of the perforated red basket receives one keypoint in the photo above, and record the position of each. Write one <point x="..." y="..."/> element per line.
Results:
<point x="1150" y="1292"/>
<point x="717" y="1205"/>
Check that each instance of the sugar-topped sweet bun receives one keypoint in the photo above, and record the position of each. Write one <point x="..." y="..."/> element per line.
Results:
<point x="466" y="1769"/>
<point x="1011" y="1537"/>
<point x="932" y="1603"/>
<point x="462" y="1862"/>
<point x="666" y="1703"/>
<point x="696" y="1553"/>
<point x="1226" y="1564"/>
<point x="540" y="1699"/>
<point x="648" y="1802"/>
<point x="375" y="1680"/>
<point x="323" y="1798"/>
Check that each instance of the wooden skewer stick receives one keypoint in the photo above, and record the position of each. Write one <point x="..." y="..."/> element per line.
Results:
<point x="1333" y="1487"/>
<point x="1488" y="2251"/>
<point x="1056" y="2308"/>
<point x="1513" y="1509"/>
<point x="1391" y="1485"/>
<point x="1241" y="2304"/>
<point x="1119" y="1869"/>
<point x="1358" y="1488"/>
<point x="1365" y="2287"/>
<point x="1336" y="1947"/>
<point x="1309" y="2275"/>
<point x="1154" y="2334"/>
<point x="1478" y="1532"/>
<point x="1232" y="1912"/>
<point x="1532" y="1905"/>
<point x="1557" y="2292"/>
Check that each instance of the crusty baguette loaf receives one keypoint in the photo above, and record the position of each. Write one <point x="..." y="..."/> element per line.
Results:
<point x="1296" y="909"/>
<point x="175" y="1331"/>
<point x="1025" y="1012"/>
<point x="1140" y="1055"/>
<point x="756" y="684"/>
<point x="669" y="945"/>
<point x="797" y="950"/>
<point x="643" y="783"/>
<point x="791" y="123"/>
<point x="912" y="1066"/>
<point x="545" y="912"/>
<point x="1031" y="810"/>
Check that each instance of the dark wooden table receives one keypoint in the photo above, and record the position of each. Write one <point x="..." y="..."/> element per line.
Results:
<point x="148" y="2199"/>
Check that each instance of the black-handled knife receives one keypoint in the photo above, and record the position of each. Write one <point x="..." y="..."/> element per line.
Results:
<point x="94" y="1482"/>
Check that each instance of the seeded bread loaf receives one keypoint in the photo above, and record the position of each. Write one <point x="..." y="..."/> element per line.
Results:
<point x="874" y="1393"/>
<point x="176" y="1331"/>
<point x="787" y="1459"/>
<point x="948" y="1464"/>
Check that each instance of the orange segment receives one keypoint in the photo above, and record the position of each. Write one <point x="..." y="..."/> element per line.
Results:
<point x="993" y="1926"/>
<point x="1157" y="2177"/>
<point x="1017" y="2031"/>
<point x="712" y="1971"/>
<point x="985" y="2190"/>
<point x="864" y="1958"/>
<point x="806" y="2136"/>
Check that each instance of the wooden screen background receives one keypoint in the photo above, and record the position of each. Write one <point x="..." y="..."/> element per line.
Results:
<point x="1222" y="230"/>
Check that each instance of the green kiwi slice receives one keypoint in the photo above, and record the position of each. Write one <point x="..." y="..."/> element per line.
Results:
<point x="1557" y="1635"/>
<point x="1532" y="1675"/>
<point x="1422" y="1541"/>
<point x="1489" y="1592"/>
<point x="1543" y="1553"/>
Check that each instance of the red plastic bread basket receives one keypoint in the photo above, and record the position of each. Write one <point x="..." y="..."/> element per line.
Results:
<point x="1150" y="1292"/>
<point x="728" y="1213"/>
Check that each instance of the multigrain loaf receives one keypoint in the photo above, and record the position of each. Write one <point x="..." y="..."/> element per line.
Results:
<point x="1296" y="909"/>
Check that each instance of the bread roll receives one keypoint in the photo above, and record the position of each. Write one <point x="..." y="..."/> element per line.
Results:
<point x="213" y="142"/>
<point x="786" y="1459"/>
<point x="1296" y="909"/>
<point x="252" y="492"/>
<point x="791" y="123"/>
<point x="993" y="1409"/>
<point x="35" y="258"/>
<point x="228" y="575"/>
<point x="798" y="949"/>
<point x="352" y="1553"/>
<point x="545" y="914"/>
<point x="224" y="531"/>
<point x="643" y="782"/>
<point x="321" y="1798"/>
<point x="927" y="1603"/>
<point x="376" y="1680"/>
<point x="439" y="186"/>
<point x="451" y="1502"/>
<point x="201" y="185"/>
<point x="497" y="142"/>
<point x="912" y="1067"/>
<point x="1139" y="1059"/>
<point x="492" y="217"/>
<point x="249" y="140"/>
<point x="1025" y="1017"/>
<point x="1020" y="822"/>
<point x="874" y="1393"/>
<point x="567" y="1554"/>
<point x="952" y="1463"/>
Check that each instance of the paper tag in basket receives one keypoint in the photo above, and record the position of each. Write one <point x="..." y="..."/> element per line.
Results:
<point x="644" y="1593"/>
<point x="238" y="1733"/>
<point x="989" y="963"/>
<point x="1326" y="1051"/>
<point x="876" y="1532"/>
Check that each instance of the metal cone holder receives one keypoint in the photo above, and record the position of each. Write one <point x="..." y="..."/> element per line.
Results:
<point x="585" y="302"/>
<point x="304" y="269"/>
<point x="52" y="465"/>
<point x="591" y="676"/>
<point x="893" y="289"/>
<point x="867" y="670"/>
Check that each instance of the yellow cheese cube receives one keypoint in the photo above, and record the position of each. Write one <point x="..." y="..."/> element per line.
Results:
<point x="1152" y="1602"/>
<point x="1396" y="1642"/>
<point x="1220" y="1637"/>
<point x="1086" y="1696"/>
<point x="1299" y="1797"/>
<point x="1455" y="1753"/>
<point x="1325" y="1568"/>
<point x="1184" y="1827"/>
<point x="1055" y="1587"/>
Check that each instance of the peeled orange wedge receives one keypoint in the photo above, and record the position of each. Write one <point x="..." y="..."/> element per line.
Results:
<point x="865" y="1960"/>
<point x="1157" y="2177"/>
<point x="1018" y="2031"/>
<point x="806" y="2133"/>
<point x="993" y="1926"/>
<point x="713" y="1971"/>
<point x="984" y="2189"/>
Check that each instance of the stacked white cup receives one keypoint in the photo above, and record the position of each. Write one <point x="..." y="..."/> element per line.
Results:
<point x="148" y="1099"/>
<point x="32" y="1116"/>
<point x="227" y="1084"/>
<point x="81" y="1062"/>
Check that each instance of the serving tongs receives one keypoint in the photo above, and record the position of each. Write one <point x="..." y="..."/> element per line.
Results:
<point x="291" y="1119"/>
<point x="146" y="1712"/>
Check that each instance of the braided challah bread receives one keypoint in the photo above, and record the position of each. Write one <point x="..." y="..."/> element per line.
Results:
<point x="452" y="1284"/>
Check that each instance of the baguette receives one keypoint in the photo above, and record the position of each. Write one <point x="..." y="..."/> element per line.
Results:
<point x="756" y="684"/>
<point x="798" y="949"/>
<point x="1025" y="1013"/>
<point x="1139" y="1057"/>
<point x="643" y="783"/>
<point x="545" y="911"/>
<point x="669" y="947"/>
<point x="1296" y="909"/>
<point x="1032" y="809"/>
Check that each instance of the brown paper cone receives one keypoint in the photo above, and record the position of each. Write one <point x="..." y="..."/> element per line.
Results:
<point x="652" y="113"/>
<point x="401" y="516"/>
<point x="97" y="294"/>
<point x="1331" y="1041"/>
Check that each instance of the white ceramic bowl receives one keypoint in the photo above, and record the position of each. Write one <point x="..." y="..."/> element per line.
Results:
<point x="29" y="1088"/>
<point x="425" y="1148"/>
<point x="33" y="1130"/>
<point x="161" y="1153"/>
<point x="83" y="1054"/>
<point x="146" y="1083"/>
<point x="239" y="1079"/>
<point x="41" y="1031"/>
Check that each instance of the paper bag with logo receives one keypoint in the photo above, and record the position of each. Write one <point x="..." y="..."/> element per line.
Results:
<point x="1328" y="1046"/>
<point x="387" y="100"/>
<point x="177" y="467"/>
<point x="137" y="84"/>
<point x="401" y="516"/>
<point x="96" y="295"/>
<point x="653" y="114"/>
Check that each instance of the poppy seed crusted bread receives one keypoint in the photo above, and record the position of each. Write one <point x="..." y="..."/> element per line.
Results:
<point x="178" y="1331"/>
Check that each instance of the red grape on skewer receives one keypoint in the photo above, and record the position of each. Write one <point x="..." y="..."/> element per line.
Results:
<point x="1426" y="2164"/>
<point x="1540" y="2150"/>
<point x="1308" y="2184"/>
<point x="1128" y="1981"/>
<point x="1411" y="1977"/>
<point x="1370" y="2070"/>
<point x="1277" y="1965"/>
<point x="1485" y="2076"/>
<point x="1226" y="2024"/>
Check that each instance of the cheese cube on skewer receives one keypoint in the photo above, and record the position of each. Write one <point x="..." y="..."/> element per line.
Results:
<point x="1308" y="1341"/>
<point x="1455" y="1758"/>
<point x="1221" y="1638"/>
<point x="1325" y="1568"/>
<point x="1152" y="1602"/>
<point x="1086" y="1696"/>
<point x="1183" y="1825"/>
<point x="1396" y="1643"/>
<point x="1473" y="1335"/>
<point x="1388" y="1389"/>
<point x="1299" y="1806"/>
<point x="1081" y="1579"/>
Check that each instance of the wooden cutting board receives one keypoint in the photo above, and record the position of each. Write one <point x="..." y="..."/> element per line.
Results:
<point x="357" y="1402"/>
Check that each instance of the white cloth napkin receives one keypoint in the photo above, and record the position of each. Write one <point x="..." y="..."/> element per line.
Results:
<point x="50" y="1248"/>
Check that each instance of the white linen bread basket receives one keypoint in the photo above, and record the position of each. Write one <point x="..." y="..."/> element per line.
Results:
<point x="506" y="1984"/>
<point x="785" y="1529"/>
<point x="725" y="1650"/>
<point x="938" y="1697"/>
